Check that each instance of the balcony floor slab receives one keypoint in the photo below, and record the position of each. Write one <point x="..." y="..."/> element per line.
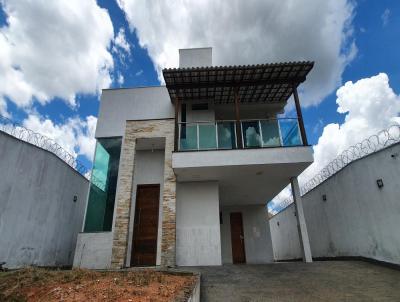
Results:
<point x="246" y="176"/>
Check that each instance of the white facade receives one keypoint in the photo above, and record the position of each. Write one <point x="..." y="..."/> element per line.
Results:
<point x="257" y="236"/>
<point x="119" y="105"/>
<point x="195" y="57"/>
<point x="210" y="184"/>
<point x="93" y="250"/>
<point x="198" y="240"/>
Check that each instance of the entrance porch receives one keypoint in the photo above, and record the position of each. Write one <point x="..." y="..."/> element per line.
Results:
<point x="213" y="231"/>
<point x="221" y="214"/>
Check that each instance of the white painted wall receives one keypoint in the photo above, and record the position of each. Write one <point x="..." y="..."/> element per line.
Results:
<point x="148" y="169"/>
<point x="198" y="239"/>
<point x="219" y="158"/>
<point x="358" y="218"/>
<point x="285" y="236"/>
<point x="144" y="103"/>
<point x="119" y="105"/>
<point x="195" y="57"/>
<point x="257" y="236"/>
<point x="200" y="115"/>
<point x="93" y="250"/>
<point x="39" y="220"/>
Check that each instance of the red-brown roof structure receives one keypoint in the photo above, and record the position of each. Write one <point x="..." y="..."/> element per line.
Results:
<point x="263" y="83"/>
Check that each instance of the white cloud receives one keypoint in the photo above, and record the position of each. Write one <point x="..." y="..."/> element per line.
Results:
<point x="246" y="32"/>
<point x="280" y="201"/>
<point x="370" y="105"/>
<point x="54" y="49"/>
<point x="318" y="125"/>
<point x="385" y="17"/>
<point x="75" y="135"/>
<point x="120" y="79"/>
<point x="85" y="138"/>
<point x="3" y="108"/>
<point x="120" y="42"/>
<point x="140" y="72"/>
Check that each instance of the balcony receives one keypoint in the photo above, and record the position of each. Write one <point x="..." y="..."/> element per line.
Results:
<point x="252" y="160"/>
<point x="247" y="134"/>
<point x="258" y="155"/>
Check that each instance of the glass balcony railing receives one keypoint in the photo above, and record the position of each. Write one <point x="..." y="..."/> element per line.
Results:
<point x="221" y="135"/>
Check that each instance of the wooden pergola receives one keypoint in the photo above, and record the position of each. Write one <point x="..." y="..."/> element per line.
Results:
<point x="263" y="83"/>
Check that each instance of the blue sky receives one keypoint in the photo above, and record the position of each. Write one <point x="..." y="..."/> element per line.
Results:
<point x="378" y="52"/>
<point x="373" y="29"/>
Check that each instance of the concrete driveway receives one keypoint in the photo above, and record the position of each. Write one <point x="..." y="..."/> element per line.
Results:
<point x="296" y="281"/>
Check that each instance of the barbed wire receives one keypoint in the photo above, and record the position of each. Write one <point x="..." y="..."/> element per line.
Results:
<point x="34" y="138"/>
<point x="374" y="143"/>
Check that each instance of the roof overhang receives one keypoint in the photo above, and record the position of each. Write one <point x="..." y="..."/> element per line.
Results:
<point x="265" y="83"/>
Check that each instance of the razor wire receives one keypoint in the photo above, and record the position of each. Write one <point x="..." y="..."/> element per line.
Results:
<point x="39" y="140"/>
<point x="372" y="144"/>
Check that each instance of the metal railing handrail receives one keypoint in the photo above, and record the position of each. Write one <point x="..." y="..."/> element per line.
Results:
<point x="241" y="120"/>
<point x="215" y="123"/>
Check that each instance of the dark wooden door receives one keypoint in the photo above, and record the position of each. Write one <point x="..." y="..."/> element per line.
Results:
<point x="237" y="238"/>
<point x="145" y="230"/>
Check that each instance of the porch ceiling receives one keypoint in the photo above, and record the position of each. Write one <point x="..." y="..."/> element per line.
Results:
<point x="245" y="176"/>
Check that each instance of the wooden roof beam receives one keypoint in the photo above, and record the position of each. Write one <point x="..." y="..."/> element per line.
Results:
<point x="293" y="81"/>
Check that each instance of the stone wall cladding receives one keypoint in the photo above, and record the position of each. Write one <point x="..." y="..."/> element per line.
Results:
<point x="133" y="131"/>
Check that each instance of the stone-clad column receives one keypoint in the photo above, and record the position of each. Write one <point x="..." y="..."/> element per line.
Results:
<point x="123" y="202"/>
<point x="169" y="209"/>
<point x="133" y="131"/>
<point x="301" y="221"/>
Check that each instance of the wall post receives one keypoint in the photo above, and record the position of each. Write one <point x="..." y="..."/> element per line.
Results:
<point x="300" y="116"/>
<point x="301" y="222"/>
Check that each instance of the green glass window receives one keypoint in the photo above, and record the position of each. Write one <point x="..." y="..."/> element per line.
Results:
<point x="290" y="132"/>
<point x="207" y="136"/>
<point x="251" y="134"/>
<point x="103" y="185"/>
<point x="226" y="135"/>
<point x="188" y="137"/>
<point x="270" y="133"/>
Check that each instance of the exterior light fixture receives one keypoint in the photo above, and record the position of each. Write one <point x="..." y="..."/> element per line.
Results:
<point x="277" y="223"/>
<point x="324" y="197"/>
<point x="379" y="182"/>
<point x="75" y="198"/>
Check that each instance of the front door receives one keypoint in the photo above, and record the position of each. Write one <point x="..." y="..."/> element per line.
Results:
<point x="145" y="230"/>
<point x="237" y="238"/>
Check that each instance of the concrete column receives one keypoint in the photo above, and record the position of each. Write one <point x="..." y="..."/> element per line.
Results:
<point x="301" y="222"/>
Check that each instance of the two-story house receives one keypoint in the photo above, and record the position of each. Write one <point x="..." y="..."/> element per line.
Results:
<point x="182" y="172"/>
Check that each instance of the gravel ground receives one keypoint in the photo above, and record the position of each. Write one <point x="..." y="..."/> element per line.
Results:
<point x="296" y="281"/>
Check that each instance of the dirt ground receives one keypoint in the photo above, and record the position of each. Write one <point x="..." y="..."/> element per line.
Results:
<point x="36" y="284"/>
